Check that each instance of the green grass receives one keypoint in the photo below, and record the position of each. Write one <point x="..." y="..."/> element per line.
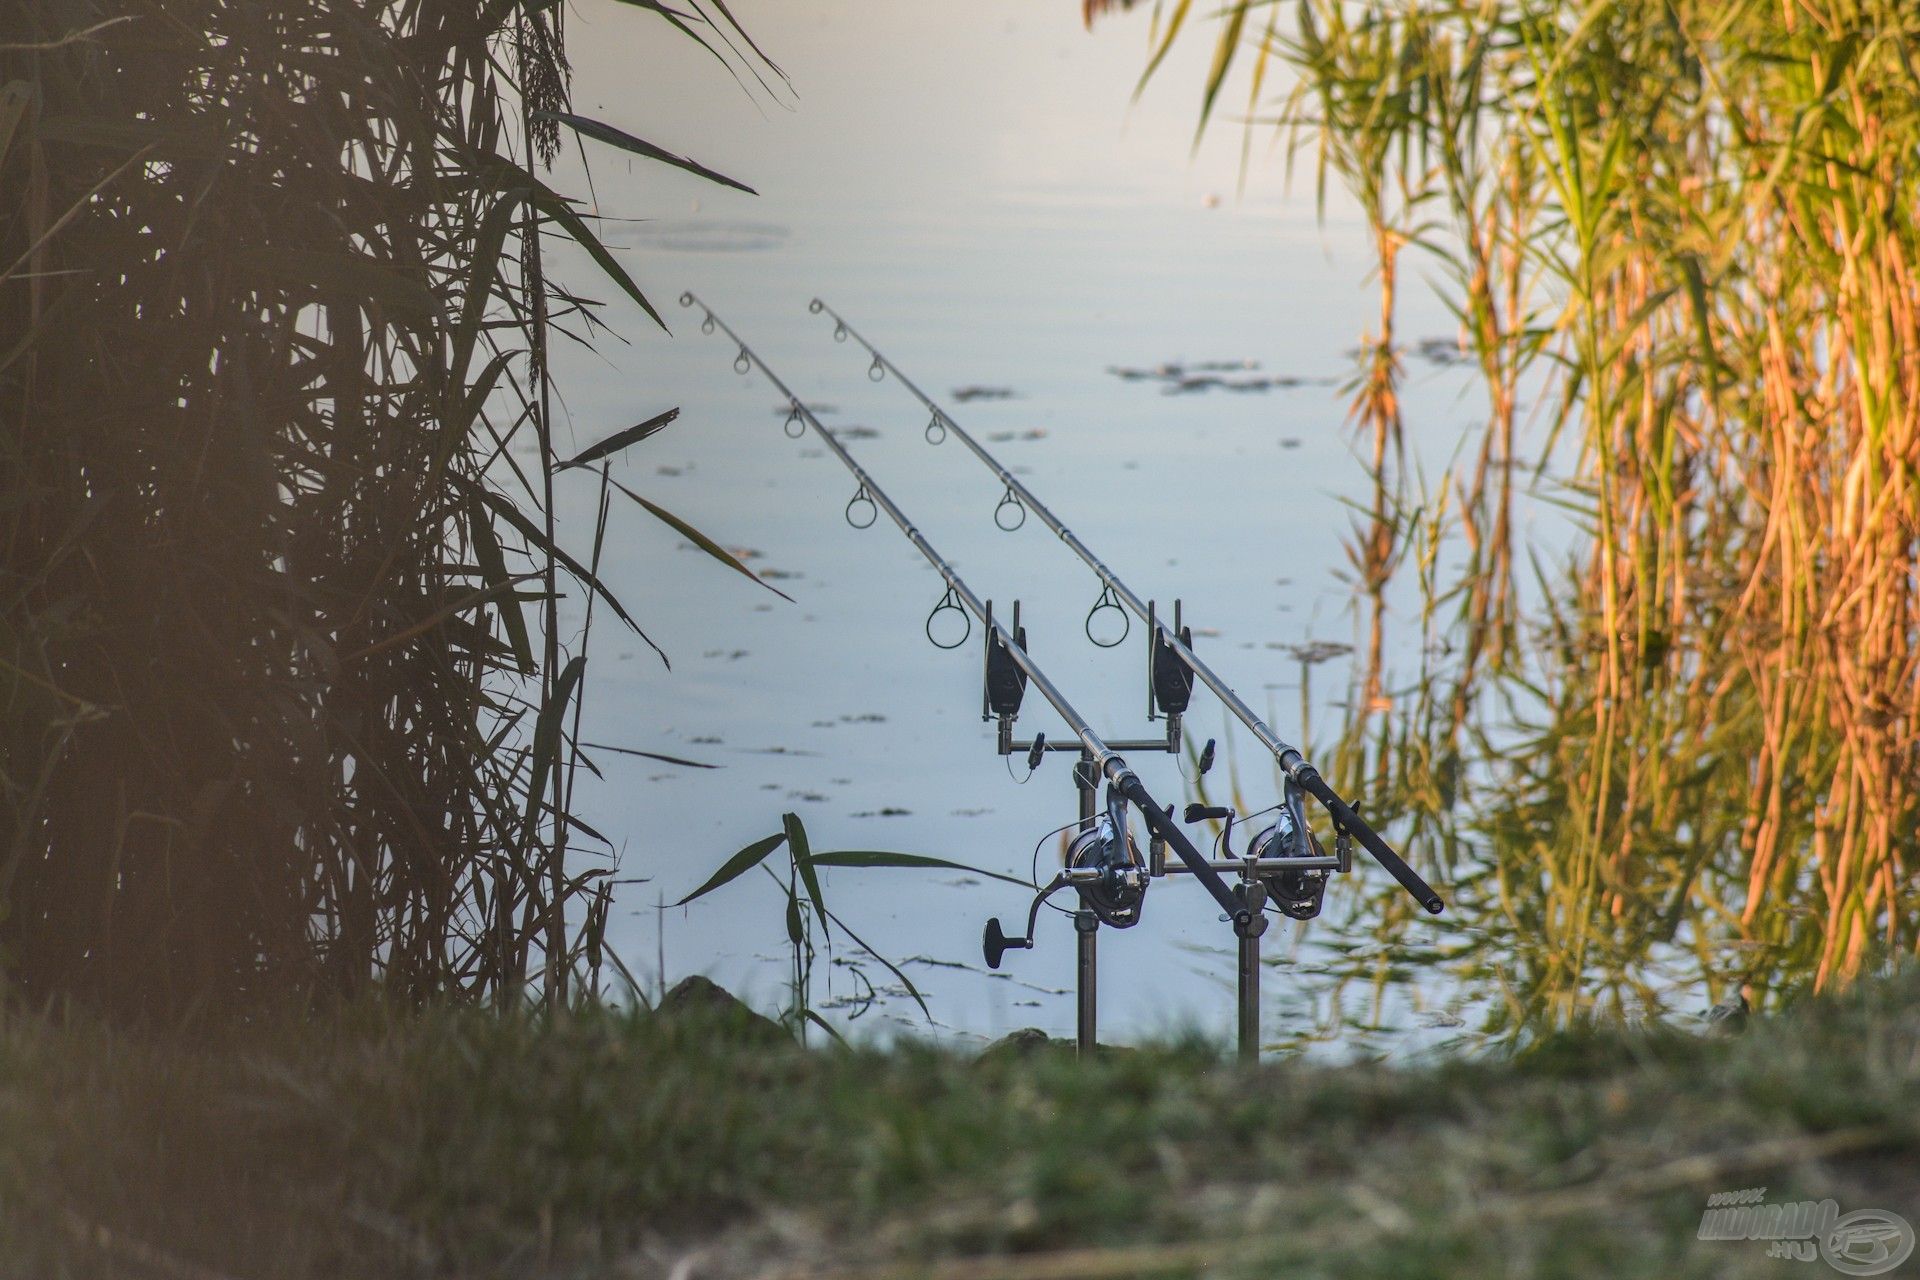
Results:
<point x="456" y="1142"/>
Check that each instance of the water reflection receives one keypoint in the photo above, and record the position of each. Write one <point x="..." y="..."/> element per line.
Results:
<point x="1048" y="261"/>
<point x="1600" y="866"/>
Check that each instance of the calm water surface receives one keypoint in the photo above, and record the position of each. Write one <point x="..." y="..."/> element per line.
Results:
<point x="975" y="189"/>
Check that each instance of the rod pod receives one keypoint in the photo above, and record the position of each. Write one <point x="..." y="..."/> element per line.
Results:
<point x="1295" y="765"/>
<point x="1103" y="759"/>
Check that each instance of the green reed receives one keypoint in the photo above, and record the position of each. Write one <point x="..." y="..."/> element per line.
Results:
<point x="287" y="702"/>
<point x="1682" y="235"/>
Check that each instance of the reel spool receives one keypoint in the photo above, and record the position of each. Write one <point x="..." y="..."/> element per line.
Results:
<point x="1116" y="896"/>
<point x="1299" y="894"/>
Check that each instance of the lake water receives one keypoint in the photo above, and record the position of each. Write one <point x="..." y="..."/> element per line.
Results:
<point x="974" y="188"/>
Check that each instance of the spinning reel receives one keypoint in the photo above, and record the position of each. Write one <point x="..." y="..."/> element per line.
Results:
<point x="1298" y="893"/>
<point x="1103" y="865"/>
<point x="1284" y="865"/>
<point x="1284" y="856"/>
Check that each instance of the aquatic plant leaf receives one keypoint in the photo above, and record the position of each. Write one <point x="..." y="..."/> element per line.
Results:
<point x="891" y="967"/>
<point x="701" y="541"/>
<point x="603" y="132"/>
<point x="620" y="440"/>
<point x="547" y="736"/>
<point x="493" y="570"/>
<point x="648" y="755"/>
<point x="911" y="861"/>
<point x="535" y="535"/>
<point x="796" y="832"/>
<point x="824" y="1025"/>
<point x="320" y="274"/>
<point x="736" y="866"/>
<point x="558" y="208"/>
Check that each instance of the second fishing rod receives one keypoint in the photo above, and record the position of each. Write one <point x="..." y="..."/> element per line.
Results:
<point x="1119" y="866"/>
<point x="1018" y="497"/>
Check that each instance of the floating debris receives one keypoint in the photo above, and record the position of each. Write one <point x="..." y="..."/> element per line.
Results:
<point x="1442" y="352"/>
<point x="816" y="409"/>
<point x="1315" y="652"/>
<point x="853" y="433"/>
<point x="966" y="394"/>
<point x="888" y="812"/>
<point x="1211" y="375"/>
<point x="932" y="963"/>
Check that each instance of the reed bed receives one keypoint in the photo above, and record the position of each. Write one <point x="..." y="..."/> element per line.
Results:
<point x="284" y="682"/>
<point x="1679" y="241"/>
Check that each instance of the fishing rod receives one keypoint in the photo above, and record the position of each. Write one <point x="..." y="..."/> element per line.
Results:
<point x="1166" y="642"/>
<point x="1102" y="864"/>
<point x="1121" y="779"/>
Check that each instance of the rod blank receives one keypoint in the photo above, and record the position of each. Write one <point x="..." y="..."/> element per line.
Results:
<point x="1291" y="761"/>
<point x="1115" y="769"/>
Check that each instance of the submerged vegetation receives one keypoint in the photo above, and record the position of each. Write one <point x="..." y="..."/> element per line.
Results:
<point x="1679" y="241"/>
<point x="287" y="700"/>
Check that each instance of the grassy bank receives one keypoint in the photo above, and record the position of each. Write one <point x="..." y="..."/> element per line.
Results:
<point x="461" y="1143"/>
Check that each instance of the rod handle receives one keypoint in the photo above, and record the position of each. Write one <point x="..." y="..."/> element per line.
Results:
<point x="1316" y="786"/>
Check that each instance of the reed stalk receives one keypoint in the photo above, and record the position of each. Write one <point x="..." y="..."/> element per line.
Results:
<point x="1685" y="233"/>
<point x="275" y="722"/>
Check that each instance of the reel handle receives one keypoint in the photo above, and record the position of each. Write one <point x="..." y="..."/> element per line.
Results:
<point x="995" y="943"/>
<point x="1197" y="812"/>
